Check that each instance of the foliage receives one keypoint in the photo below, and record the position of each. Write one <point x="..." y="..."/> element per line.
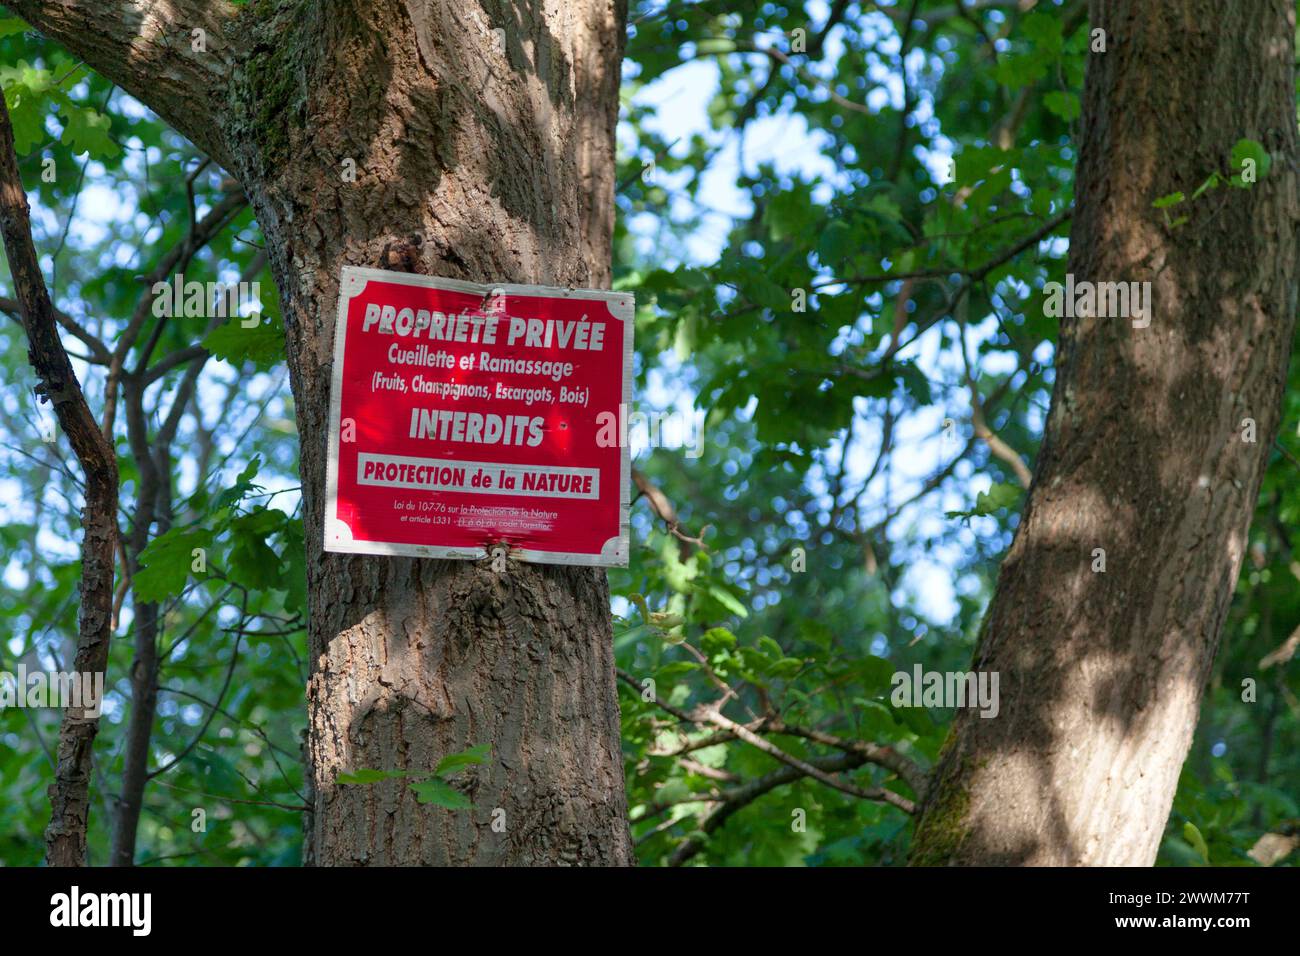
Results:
<point x="430" y="787"/>
<point x="850" y="244"/>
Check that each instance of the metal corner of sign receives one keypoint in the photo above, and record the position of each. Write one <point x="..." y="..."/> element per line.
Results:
<point x="614" y="552"/>
<point x="352" y="281"/>
<point x="622" y="308"/>
<point x="337" y="532"/>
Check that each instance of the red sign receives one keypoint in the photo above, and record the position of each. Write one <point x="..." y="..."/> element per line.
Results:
<point x="465" y="416"/>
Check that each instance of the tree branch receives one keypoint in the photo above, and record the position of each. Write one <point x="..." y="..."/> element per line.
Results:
<point x="981" y="428"/>
<point x="732" y="800"/>
<point x="854" y="756"/>
<point x="99" y="353"/>
<point x="146" y="47"/>
<point x="178" y="257"/>
<point x="665" y="510"/>
<point x="886" y="757"/>
<point x="878" y="794"/>
<point x="65" y="838"/>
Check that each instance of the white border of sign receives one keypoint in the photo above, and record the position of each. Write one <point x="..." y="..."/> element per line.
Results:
<point x="351" y="282"/>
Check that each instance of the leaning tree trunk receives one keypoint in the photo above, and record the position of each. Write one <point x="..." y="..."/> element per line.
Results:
<point x="1143" y="456"/>
<point x="489" y="133"/>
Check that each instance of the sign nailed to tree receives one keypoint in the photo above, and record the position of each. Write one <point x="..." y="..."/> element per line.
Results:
<point x="466" y="416"/>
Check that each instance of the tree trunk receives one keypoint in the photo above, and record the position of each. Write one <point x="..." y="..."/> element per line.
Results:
<point x="489" y="133"/>
<point x="65" y="836"/>
<point x="1143" y="456"/>
<point x="501" y="159"/>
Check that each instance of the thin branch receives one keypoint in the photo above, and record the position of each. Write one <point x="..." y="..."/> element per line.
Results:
<point x="878" y="794"/>
<point x="99" y="353"/>
<point x="781" y="57"/>
<point x="736" y="799"/>
<point x="212" y="711"/>
<point x="667" y="513"/>
<point x="983" y="432"/>
<point x="886" y="757"/>
<point x="303" y="808"/>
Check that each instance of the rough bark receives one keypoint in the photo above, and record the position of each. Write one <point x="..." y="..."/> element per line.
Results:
<point x="153" y="505"/>
<point x="502" y="161"/>
<point x="1102" y="673"/>
<point x="488" y="131"/>
<point x="65" y="837"/>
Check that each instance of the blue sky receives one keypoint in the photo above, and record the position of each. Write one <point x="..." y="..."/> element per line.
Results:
<point x="679" y="103"/>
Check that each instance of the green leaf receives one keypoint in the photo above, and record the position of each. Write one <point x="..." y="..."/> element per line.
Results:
<point x="1193" y="836"/>
<point x="715" y="45"/>
<point x="1063" y="104"/>
<point x="252" y="561"/>
<point x="763" y="291"/>
<point x="914" y="382"/>
<point x="454" y="762"/>
<point x="242" y="487"/>
<point x="1001" y="495"/>
<point x="1020" y="69"/>
<point x="1211" y="182"/>
<point x="716" y="640"/>
<point x="1248" y="149"/>
<point x="991" y="189"/>
<point x="167" y="561"/>
<point x="263" y="344"/>
<point x="786" y="667"/>
<point x="875" y="672"/>
<point x="791" y="214"/>
<point x="1044" y="30"/>
<point x="916" y="719"/>
<point x="884" y="205"/>
<point x="25" y="90"/>
<point x="294" y="556"/>
<point x="728" y="600"/>
<point x="835" y="244"/>
<point x="1173" y="199"/>
<point x="86" y="131"/>
<point x="440" y="794"/>
<point x="676" y="669"/>
<point x="685" y="337"/>
<point x="973" y="165"/>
